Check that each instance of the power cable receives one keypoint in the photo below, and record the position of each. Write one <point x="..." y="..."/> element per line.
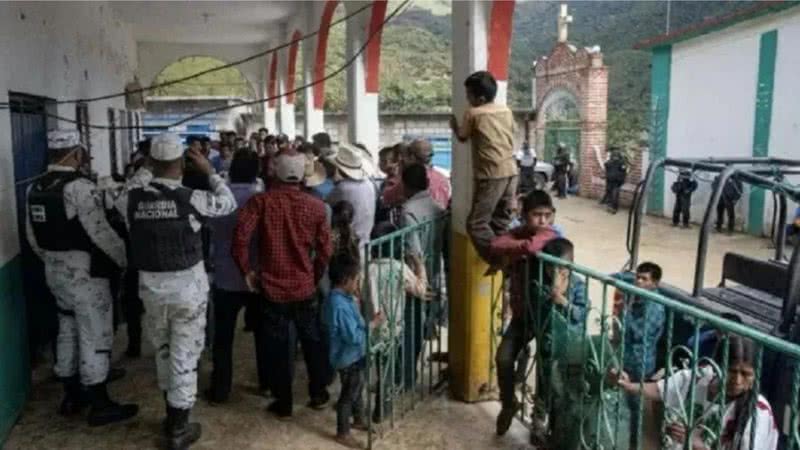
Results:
<point x="348" y="63"/>
<point x="213" y="69"/>
<point x="341" y="69"/>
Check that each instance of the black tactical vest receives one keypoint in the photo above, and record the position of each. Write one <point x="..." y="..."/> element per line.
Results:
<point x="53" y="230"/>
<point x="162" y="238"/>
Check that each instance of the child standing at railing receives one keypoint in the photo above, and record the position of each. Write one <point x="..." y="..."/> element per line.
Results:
<point x="744" y="407"/>
<point x="347" y="334"/>
<point x="516" y="247"/>
<point x="643" y="323"/>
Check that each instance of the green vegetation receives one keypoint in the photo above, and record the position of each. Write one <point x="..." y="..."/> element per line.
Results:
<point x="416" y="56"/>
<point x="229" y="82"/>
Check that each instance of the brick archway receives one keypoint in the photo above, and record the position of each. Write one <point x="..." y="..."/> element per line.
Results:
<point x="581" y="73"/>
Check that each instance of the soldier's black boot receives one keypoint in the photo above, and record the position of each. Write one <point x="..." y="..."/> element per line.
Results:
<point x="104" y="411"/>
<point x="74" y="397"/>
<point x="180" y="433"/>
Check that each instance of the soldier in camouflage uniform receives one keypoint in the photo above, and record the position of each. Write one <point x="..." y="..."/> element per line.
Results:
<point x="65" y="225"/>
<point x="165" y="221"/>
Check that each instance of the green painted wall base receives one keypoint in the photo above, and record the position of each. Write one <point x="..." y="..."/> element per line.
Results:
<point x="15" y="379"/>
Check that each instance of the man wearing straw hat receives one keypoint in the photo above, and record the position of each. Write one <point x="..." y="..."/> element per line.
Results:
<point x="353" y="186"/>
<point x="66" y="224"/>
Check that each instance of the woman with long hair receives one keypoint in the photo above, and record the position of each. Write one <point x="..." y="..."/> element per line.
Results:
<point x="744" y="409"/>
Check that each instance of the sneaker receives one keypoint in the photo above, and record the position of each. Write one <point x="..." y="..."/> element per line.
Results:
<point x="279" y="411"/>
<point x="505" y="418"/>
<point x="319" y="403"/>
<point x="348" y="440"/>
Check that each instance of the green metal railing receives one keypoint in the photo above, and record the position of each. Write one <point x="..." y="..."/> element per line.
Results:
<point x="569" y="393"/>
<point x="404" y="281"/>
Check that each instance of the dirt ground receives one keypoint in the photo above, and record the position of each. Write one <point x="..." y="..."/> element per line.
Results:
<point x="436" y="424"/>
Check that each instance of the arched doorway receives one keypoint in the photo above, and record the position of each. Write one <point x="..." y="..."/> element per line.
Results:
<point x="571" y="97"/>
<point x="226" y="87"/>
<point x="562" y="119"/>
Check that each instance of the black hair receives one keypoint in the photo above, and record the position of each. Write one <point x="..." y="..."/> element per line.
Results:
<point x="244" y="167"/>
<point x="482" y="84"/>
<point x="143" y="146"/>
<point x="343" y="267"/>
<point x="205" y="139"/>
<point x="560" y="248"/>
<point x="263" y="129"/>
<point x="321" y="139"/>
<point x="740" y="350"/>
<point x="193" y="138"/>
<point x="391" y="152"/>
<point x="342" y="214"/>
<point x="652" y="268"/>
<point x="536" y="199"/>
<point x="415" y="177"/>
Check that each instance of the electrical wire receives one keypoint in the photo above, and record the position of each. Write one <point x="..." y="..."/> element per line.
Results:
<point x="402" y="7"/>
<point x="210" y="70"/>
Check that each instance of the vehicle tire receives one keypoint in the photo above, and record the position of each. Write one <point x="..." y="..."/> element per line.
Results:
<point x="540" y="180"/>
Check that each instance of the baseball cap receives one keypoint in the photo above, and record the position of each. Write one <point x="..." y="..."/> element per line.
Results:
<point x="166" y="147"/>
<point x="290" y="166"/>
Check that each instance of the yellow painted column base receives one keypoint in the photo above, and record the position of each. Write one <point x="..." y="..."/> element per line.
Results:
<point x="470" y="337"/>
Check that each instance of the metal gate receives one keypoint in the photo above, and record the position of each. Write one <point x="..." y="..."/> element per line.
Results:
<point x="29" y="148"/>
<point x="566" y="132"/>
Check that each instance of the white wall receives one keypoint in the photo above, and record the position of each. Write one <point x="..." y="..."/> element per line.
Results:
<point x="59" y="50"/>
<point x="784" y="136"/>
<point x="712" y="99"/>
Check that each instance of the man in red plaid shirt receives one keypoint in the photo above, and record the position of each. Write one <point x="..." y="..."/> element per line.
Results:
<point x="294" y="249"/>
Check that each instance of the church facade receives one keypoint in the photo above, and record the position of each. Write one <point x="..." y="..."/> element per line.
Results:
<point x="728" y="87"/>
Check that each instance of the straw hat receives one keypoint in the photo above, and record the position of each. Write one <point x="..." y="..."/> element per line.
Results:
<point x="349" y="162"/>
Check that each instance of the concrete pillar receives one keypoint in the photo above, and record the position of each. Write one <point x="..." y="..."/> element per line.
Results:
<point x="470" y="300"/>
<point x="270" y="91"/>
<point x="481" y="41"/>
<point x="285" y="103"/>
<point x="362" y="105"/>
<point x="314" y="115"/>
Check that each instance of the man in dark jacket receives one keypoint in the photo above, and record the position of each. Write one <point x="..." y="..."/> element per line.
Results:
<point x="683" y="188"/>
<point x="731" y="193"/>
<point x="616" y="172"/>
<point x="562" y="164"/>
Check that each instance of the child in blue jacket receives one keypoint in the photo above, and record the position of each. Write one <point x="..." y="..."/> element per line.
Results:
<point x="347" y="332"/>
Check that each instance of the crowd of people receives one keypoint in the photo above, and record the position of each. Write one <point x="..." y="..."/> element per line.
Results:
<point x="273" y="227"/>
<point x="280" y="228"/>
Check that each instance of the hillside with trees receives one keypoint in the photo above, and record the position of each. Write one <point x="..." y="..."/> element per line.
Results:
<point x="416" y="55"/>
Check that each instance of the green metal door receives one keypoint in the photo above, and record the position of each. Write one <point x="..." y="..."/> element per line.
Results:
<point x="566" y="132"/>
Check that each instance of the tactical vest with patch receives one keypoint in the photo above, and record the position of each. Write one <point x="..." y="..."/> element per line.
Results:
<point x="162" y="237"/>
<point x="51" y="227"/>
